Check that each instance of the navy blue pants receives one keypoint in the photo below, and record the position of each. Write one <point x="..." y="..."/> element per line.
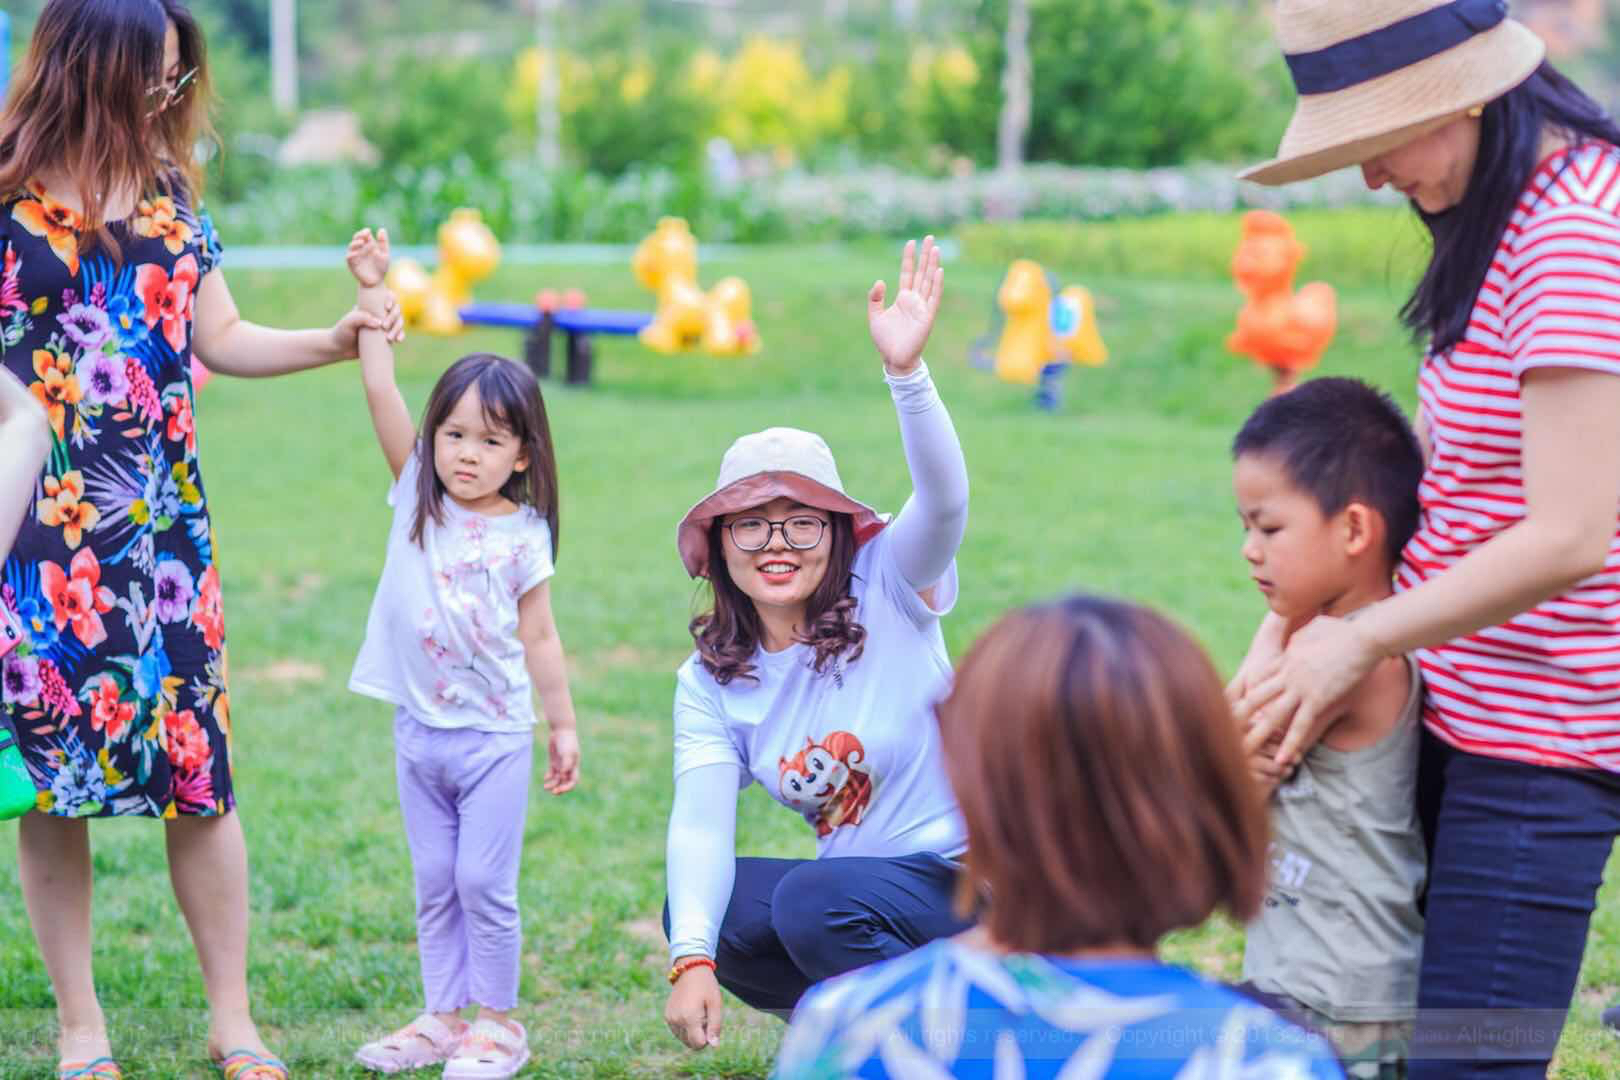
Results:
<point x="793" y="922"/>
<point x="1517" y="854"/>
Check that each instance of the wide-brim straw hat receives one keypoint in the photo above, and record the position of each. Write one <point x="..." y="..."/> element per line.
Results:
<point x="768" y="464"/>
<point x="1373" y="75"/>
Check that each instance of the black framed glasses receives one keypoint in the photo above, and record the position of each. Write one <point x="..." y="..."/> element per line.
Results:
<point x="753" y="533"/>
<point x="170" y="91"/>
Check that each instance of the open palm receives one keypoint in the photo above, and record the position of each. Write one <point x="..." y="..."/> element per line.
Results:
<point x="901" y="330"/>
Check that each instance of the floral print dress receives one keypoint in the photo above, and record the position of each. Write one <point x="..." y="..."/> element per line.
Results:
<point x="117" y="691"/>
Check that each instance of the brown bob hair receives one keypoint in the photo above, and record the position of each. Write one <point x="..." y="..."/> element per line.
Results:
<point x="85" y="100"/>
<point x="1107" y="802"/>
<point x="727" y="635"/>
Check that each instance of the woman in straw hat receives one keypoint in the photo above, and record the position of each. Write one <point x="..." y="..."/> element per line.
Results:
<point x="815" y="672"/>
<point x="1508" y="591"/>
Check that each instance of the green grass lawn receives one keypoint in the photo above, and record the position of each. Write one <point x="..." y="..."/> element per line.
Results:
<point x="1125" y="490"/>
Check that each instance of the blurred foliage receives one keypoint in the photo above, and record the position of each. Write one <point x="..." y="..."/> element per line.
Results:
<point x="720" y="112"/>
<point x="1138" y="83"/>
<point x="1383" y="247"/>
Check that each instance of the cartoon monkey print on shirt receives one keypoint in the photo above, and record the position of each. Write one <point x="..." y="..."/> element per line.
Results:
<point x="827" y="781"/>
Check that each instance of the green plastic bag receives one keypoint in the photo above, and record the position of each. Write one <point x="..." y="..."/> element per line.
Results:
<point x="17" y="795"/>
<point x="16" y="786"/>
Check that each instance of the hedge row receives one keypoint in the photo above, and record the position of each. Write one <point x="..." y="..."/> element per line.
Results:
<point x="1359" y="247"/>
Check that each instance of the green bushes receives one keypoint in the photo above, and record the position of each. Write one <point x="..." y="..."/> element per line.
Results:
<point x="522" y="203"/>
<point x="1139" y="83"/>
<point x="1372" y="246"/>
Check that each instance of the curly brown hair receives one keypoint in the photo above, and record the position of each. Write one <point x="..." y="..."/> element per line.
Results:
<point x="728" y="634"/>
<point x="83" y="102"/>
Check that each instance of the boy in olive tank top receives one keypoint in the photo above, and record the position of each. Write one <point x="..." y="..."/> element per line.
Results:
<point x="1326" y="479"/>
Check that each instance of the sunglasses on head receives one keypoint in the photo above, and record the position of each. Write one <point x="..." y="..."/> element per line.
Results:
<point x="171" y="90"/>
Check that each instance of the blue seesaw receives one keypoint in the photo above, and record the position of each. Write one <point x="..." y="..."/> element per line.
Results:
<point x="578" y="324"/>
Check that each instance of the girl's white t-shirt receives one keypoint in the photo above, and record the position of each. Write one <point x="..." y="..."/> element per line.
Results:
<point x="442" y="638"/>
<point x="855" y="750"/>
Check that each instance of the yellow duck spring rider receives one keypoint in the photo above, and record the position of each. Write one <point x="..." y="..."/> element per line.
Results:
<point x="468" y="253"/>
<point x="719" y="321"/>
<point x="1042" y="331"/>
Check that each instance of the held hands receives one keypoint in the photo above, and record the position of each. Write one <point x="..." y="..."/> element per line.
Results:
<point x="693" y="1011"/>
<point x="901" y="331"/>
<point x="368" y="262"/>
<point x="562" y="755"/>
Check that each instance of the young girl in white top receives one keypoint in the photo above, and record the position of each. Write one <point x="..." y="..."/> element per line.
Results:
<point x="460" y="638"/>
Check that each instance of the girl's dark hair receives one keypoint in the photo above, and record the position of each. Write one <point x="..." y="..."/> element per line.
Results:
<point x="1091" y="749"/>
<point x="82" y="102"/>
<point x="1467" y="235"/>
<point x="728" y="633"/>
<point x="510" y="396"/>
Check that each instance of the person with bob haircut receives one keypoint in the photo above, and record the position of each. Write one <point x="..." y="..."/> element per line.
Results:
<point x="1506" y="591"/>
<point x="813" y="674"/>
<point x="111" y="285"/>
<point x="1107" y="802"/>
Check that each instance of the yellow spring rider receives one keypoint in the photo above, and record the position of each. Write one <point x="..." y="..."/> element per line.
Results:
<point x="1041" y="333"/>
<point x="468" y="253"/>
<point x="719" y="321"/>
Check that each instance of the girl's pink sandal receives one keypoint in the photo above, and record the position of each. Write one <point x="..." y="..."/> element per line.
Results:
<point x="491" y="1051"/>
<point x="427" y="1040"/>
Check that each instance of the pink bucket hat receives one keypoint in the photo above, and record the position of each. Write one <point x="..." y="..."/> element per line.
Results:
<point x="778" y="461"/>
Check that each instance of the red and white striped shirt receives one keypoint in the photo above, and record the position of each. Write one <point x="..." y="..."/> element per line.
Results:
<point x="1544" y="687"/>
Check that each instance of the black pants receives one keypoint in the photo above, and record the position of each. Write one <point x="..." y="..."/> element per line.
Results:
<point x="1516" y="858"/>
<point x="793" y="922"/>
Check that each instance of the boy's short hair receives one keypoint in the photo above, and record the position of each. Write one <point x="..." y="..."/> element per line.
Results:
<point x="1091" y="749"/>
<point x="1341" y="441"/>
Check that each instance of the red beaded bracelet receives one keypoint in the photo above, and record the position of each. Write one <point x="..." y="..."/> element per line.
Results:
<point x="686" y="964"/>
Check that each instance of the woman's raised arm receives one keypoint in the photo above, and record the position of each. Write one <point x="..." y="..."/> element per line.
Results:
<point x="929" y="528"/>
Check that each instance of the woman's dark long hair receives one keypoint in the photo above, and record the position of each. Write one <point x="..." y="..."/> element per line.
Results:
<point x="83" y="102"/>
<point x="1466" y="236"/>
<point x="510" y="396"/>
<point x="728" y="634"/>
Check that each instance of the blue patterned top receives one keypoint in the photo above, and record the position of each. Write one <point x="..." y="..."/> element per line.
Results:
<point x="949" y="1010"/>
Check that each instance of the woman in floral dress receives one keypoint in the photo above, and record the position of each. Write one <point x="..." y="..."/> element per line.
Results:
<point x="118" y="691"/>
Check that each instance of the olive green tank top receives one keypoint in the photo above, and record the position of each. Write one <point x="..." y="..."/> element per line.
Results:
<point x="1340" y="931"/>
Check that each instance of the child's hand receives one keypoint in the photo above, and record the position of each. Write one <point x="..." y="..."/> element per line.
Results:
<point x="562" y="754"/>
<point x="1265" y="771"/>
<point x="368" y="257"/>
<point x="901" y="331"/>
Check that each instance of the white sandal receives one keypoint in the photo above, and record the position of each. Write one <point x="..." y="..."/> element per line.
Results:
<point x="489" y="1051"/>
<point x="427" y="1040"/>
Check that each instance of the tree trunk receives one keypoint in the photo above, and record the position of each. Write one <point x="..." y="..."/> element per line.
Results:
<point x="1016" y="83"/>
<point x="284" y="56"/>
<point x="548" y="114"/>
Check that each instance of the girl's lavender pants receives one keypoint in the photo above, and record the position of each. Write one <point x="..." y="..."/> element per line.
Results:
<point x="463" y="794"/>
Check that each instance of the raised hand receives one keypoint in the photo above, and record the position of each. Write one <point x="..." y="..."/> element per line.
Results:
<point x="901" y="330"/>
<point x="368" y="257"/>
